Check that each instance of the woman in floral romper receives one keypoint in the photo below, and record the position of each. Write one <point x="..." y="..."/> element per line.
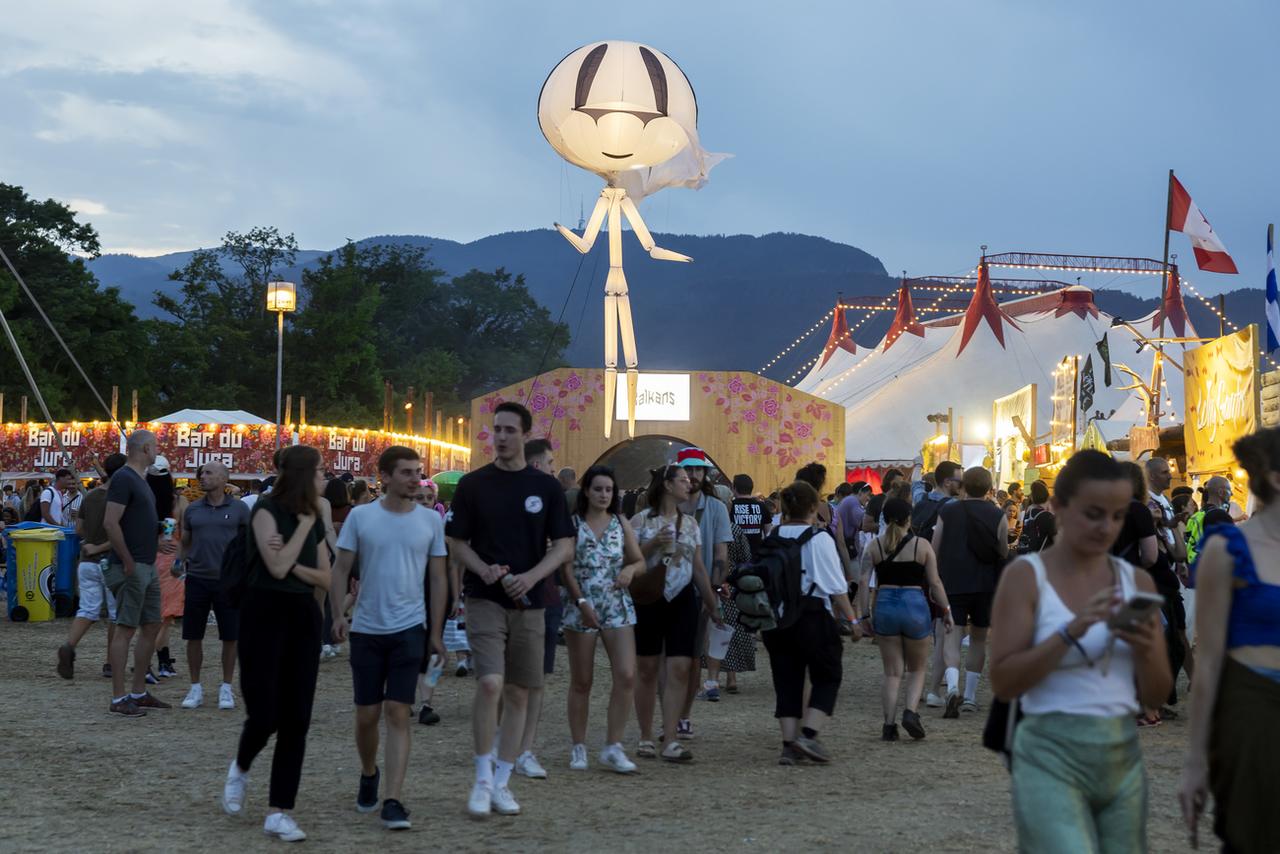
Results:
<point x="596" y="602"/>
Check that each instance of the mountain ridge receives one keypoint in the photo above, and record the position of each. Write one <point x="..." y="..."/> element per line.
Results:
<point x="742" y="300"/>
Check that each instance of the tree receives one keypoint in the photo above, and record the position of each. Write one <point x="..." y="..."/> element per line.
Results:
<point x="337" y="362"/>
<point x="98" y="326"/>
<point x="499" y="332"/>
<point x="221" y="351"/>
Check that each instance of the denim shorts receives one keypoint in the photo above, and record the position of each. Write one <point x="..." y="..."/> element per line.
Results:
<point x="902" y="611"/>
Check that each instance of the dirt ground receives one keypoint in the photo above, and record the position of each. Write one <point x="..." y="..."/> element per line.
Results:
<point x="78" y="779"/>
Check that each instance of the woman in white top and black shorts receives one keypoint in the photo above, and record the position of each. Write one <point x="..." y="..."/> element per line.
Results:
<point x="667" y="624"/>
<point x="811" y="645"/>
<point x="1078" y="779"/>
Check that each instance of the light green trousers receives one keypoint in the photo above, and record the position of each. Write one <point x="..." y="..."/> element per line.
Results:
<point x="1079" y="785"/>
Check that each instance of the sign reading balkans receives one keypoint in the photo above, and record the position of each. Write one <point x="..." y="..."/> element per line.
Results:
<point x="1221" y="385"/>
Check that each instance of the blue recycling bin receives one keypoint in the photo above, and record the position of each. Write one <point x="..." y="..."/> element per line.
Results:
<point x="64" y="578"/>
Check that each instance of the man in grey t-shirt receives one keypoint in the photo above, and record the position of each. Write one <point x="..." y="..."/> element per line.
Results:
<point x="717" y="533"/>
<point x="396" y="540"/>
<point x="208" y="526"/>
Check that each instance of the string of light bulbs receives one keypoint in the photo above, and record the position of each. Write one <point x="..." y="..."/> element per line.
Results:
<point x="839" y="307"/>
<point x="1222" y="316"/>
<point x="871" y="356"/>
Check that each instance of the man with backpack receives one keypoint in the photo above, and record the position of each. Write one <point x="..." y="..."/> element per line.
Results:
<point x="208" y="526"/>
<point x="800" y="570"/>
<point x="53" y="498"/>
<point x="926" y="507"/>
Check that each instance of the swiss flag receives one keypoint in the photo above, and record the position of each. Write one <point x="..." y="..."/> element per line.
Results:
<point x="1184" y="216"/>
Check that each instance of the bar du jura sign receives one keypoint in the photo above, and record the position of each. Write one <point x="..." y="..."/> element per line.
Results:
<point x="659" y="397"/>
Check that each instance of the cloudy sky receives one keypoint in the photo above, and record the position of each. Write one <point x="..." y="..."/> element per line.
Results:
<point x="915" y="131"/>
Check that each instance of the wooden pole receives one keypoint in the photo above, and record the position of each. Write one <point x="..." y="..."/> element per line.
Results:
<point x="1164" y="279"/>
<point x="115" y="402"/>
<point x="439" y="426"/>
<point x="448" y="430"/>
<point x="1222" y="315"/>
<point x="302" y="410"/>
<point x="22" y="414"/>
<point x="288" y="411"/>
<point x="1" y="407"/>
<point x="135" y="406"/>
<point x="408" y="411"/>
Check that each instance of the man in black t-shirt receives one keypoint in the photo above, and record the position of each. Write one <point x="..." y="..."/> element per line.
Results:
<point x="133" y="529"/>
<point x="502" y="517"/>
<point x="749" y="513"/>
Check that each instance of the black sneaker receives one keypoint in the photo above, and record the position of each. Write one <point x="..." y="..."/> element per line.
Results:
<point x="428" y="716"/>
<point x="394" y="815"/>
<point x="106" y="671"/>
<point x="911" y="723"/>
<point x="66" y="661"/>
<point x="953" y="706"/>
<point x="889" y="733"/>
<point x="367" y="799"/>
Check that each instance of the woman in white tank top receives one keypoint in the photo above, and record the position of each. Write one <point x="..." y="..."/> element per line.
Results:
<point x="1077" y="775"/>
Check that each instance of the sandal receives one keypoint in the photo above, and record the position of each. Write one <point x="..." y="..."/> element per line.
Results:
<point x="1149" y="720"/>
<point x="675" y="752"/>
<point x="646" y="749"/>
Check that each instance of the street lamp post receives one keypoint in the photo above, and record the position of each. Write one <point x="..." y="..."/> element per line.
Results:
<point x="281" y="297"/>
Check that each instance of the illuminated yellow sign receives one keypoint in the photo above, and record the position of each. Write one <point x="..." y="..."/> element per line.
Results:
<point x="1222" y="399"/>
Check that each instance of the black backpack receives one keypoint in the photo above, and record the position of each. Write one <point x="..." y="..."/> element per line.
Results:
<point x="233" y="579"/>
<point x="767" y="589"/>
<point x="924" y="517"/>
<point x="1037" y="532"/>
<point x="33" y="512"/>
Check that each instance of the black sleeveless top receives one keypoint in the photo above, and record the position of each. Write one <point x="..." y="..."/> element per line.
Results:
<point x="901" y="573"/>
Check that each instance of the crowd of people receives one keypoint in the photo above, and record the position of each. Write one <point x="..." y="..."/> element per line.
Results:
<point x="1070" y="602"/>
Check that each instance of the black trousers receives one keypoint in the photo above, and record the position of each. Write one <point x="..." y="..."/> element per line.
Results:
<point x="279" y="659"/>
<point x="810" y="645"/>
<point x="1175" y="616"/>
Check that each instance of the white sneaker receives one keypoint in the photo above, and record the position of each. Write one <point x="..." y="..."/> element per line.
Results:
<point x="233" y="790"/>
<point x="615" y="759"/>
<point x="504" y="803"/>
<point x="933" y="701"/>
<point x="195" y="697"/>
<point x="578" y="758"/>
<point x="481" y="800"/>
<point x="337" y="650"/>
<point x="326" y="651"/>
<point x="283" y="827"/>
<point x="226" y="700"/>
<point x="527" y="765"/>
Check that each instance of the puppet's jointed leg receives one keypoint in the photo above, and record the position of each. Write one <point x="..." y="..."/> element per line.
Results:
<point x="610" y="357"/>
<point x="629" y="352"/>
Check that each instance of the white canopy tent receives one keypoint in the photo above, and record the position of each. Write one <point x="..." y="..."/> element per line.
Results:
<point x="210" y="416"/>
<point x="966" y="361"/>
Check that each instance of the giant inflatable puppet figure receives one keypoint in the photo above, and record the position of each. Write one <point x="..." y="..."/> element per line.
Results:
<point x="626" y="112"/>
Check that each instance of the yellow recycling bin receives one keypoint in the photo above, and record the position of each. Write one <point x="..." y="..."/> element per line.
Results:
<point x="36" y="553"/>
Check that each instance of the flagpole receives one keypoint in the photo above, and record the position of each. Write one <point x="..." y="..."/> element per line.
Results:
<point x="1153" y="413"/>
<point x="1168" y="222"/>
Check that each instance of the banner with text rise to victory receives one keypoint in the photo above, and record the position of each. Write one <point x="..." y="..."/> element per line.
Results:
<point x="1222" y="399"/>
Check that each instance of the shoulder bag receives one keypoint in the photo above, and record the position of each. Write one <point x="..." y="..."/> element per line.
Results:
<point x="649" y="586"/>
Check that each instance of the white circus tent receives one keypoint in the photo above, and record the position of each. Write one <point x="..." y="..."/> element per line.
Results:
<point x="966" y="361"/>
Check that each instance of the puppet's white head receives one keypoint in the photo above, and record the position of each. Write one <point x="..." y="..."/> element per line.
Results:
<point x="615" y="106"/>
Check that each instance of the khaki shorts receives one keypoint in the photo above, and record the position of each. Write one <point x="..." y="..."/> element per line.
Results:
<point x="137" y="595"/>
<point x="506" y="642"/>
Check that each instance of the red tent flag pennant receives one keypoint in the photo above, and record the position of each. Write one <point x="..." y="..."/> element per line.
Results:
<point x="839" y="339"/>
<point x="1184" y="216"/>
